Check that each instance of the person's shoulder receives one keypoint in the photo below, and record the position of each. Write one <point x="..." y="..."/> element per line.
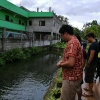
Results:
<point x="74" y="41"/>
<point x="93" y="43"/>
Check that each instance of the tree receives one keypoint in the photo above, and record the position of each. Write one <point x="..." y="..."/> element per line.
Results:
<point x="78" y="32"/>
<point x="63" y="19"/>
<point x="94" y="22"/>
<point x="92" y="27"/>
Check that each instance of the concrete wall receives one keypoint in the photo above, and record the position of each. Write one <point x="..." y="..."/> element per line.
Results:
<point x="35" y="25"/>
<point x="15" y="43"/>
<point x="51" y="25"/>
<point x="56" y="24"/>
<point x="18" y="43"/>
<point x="51" y="28"/>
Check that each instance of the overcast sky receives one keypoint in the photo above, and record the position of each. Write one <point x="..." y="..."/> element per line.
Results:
<point x="77" y="11"/>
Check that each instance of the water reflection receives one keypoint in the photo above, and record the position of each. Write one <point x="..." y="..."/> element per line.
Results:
<point x="27" y="80"/>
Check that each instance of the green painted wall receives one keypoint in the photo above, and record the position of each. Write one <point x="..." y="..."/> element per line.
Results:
<point x="40" y="14"/>
<point x="7" y="8"/>
<point x="3" y="13"/>
<point x="10" y="25"/>
<point x="13" y="8"/>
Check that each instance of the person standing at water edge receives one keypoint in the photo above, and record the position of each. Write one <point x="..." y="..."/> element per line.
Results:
<point x="72" y="69"/>
<point x="92" y="58"/>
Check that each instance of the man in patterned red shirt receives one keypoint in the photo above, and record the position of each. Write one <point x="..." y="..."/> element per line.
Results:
<point x="71" y="63"/>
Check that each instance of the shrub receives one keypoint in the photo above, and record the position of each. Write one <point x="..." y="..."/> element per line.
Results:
<point x="56" y="92"/>
<point x="59" y="79"/>
<point x="2" y="61"/>
<point x="18" y="54"/>
<point x="60" y="45"/>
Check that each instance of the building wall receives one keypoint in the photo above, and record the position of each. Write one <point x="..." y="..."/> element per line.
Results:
<point x="51" y="25"/>
<point x="13" y="8"/>
<point x="15" y="43"/>
<point x="0" y="44"/>
<point x="15" y="13"/>
<point x="35" y="25"/>
<point x="56" y="24"/>
<point x="18" y="43"/>
<point x="11" y="26"/>
<point x="13" y="16"/>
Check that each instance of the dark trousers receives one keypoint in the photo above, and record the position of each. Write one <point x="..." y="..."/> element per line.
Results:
<point x="89" y="73"/>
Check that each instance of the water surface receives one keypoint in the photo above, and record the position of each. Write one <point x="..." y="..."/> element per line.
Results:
<point x="29" y="79"/>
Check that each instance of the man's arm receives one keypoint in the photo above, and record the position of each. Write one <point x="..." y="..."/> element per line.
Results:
<point x="92" y="52"/>
<point x="71" y="52"/>
<point x="69" y="63"/>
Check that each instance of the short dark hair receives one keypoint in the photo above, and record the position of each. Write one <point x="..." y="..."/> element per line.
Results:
<point x="66" y="28"/>
<point x="90" y="35"/>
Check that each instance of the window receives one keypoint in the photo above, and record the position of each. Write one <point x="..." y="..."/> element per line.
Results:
<point x="7" y="18"/>
<point x="10" y="35"/>
<point x="19" y="21"/>
<point x="30" y="23"/>
<point x="22" y="23"/>
<point x="41" y="23"/>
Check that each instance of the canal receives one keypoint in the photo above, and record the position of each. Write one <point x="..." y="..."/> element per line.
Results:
<point x="29" y="79"/>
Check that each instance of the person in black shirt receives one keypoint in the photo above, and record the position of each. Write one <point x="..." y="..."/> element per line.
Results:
<point x="91" y="65"/>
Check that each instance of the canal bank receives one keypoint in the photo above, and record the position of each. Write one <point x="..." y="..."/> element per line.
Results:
<point x="20" y="54"/>
<point x="54" y="90"/>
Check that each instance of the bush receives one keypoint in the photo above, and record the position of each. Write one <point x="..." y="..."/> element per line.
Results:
<point x="50" y="98"/>
<point x="56" y="92"/>
<point x="27" y="52"/>
<point x="60" y="45"/>
<point x="18" y="54"/>
<point x="58" y="79"/>
<point x="2" y="61"/>
<point x="14" y="54"/>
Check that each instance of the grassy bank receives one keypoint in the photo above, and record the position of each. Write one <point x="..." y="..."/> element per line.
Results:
<point x="18" y="54"/>
<point x="54" y="91"/>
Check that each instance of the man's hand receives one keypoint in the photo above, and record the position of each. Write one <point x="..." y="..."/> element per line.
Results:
<point x="58" y="64"/>
<point x="87" y="66"/>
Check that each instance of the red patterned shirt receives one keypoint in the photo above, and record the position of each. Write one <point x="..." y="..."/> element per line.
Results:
<point x="73" y="49"/>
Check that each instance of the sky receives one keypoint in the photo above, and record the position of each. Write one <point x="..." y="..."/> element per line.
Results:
<point x="78" y="12"/>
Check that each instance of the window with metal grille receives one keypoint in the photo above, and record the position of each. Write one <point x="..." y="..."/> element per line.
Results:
<point x="41" y="23"/>
<point x="30" y="23"/>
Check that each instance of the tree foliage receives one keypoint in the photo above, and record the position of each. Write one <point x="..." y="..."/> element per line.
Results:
<point x="78" y="32"/>
<point x="63" y="19"/>
<point x="93" y="27"/>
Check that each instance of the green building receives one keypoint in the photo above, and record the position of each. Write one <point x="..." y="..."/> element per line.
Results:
<point x="19" y="19"/>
